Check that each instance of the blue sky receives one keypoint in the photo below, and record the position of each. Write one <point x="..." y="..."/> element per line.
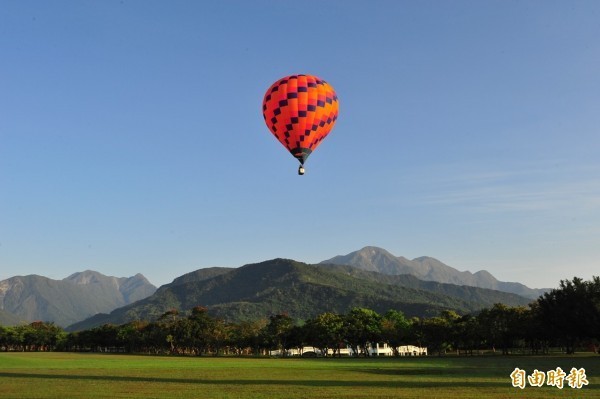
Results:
<point x="132" y="139"/>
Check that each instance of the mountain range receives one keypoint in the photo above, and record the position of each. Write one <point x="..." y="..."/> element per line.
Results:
<point x="428" y="269"/>
<point x="64" y="302"/>
<point x="301" y="290"/>
<point x="371" y="277"/>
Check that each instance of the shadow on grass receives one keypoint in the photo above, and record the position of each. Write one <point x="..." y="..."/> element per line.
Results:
<point x="457" y="373"/>
<point x="266" y="382"/>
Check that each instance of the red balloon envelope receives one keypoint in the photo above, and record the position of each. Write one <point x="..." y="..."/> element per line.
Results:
<point x="300" y="111"/>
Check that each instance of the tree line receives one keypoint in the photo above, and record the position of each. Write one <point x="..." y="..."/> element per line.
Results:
<point x="567" y="317"/>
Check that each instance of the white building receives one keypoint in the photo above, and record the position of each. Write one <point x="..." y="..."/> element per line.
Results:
<point x="383" y="349"/>
<point x="380" y="349"/>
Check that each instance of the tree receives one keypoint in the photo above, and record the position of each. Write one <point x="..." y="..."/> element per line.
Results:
<point x="218" y="334"/>
<point x="3" y="338"/>
<point x="182" y="336"/>
<point x="326" y="331"/>
<point x="130" y="335"/>
<point x="278" y="330"/>
<point x="362" y="327"/>
<point x="572" y="311"/>
<point x="155" y="337"/>
<point x="538" y="336"/>
<point x="437" y="334"/>
<point x="247" y="334"/>
<point x="504" y="326"/>
<point x="40" y="336"/>
<point x="201" y="324"/>
<point x="467" y="334"/>
<point x="394" y="329"/>
<point x="105" y="336"/>
<point x="169" y="317"/>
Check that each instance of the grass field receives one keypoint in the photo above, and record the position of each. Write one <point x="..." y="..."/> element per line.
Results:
<point x="68" y="375"/>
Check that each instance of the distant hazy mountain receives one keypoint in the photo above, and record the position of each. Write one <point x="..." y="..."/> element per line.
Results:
<point x="123" y="290"/>
<point x="429" y="269"/>
<point x="281" y="285"/>
<point x="67" y="301"/>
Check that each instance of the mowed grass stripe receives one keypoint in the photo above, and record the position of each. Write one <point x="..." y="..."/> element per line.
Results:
<point x="61" y="375"/>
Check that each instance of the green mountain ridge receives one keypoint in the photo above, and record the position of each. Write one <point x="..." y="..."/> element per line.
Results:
<point x="301" y="290"/>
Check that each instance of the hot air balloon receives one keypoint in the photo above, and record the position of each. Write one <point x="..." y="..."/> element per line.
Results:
<point x="300" y="111"/>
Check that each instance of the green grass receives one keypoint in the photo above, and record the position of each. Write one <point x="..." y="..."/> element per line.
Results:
<point x="68" y="375"/>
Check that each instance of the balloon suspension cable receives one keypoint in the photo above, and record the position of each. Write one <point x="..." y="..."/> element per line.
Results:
<point x="301" y="170"/>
